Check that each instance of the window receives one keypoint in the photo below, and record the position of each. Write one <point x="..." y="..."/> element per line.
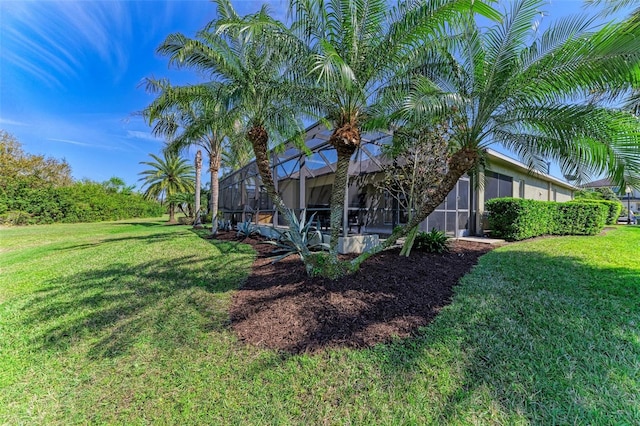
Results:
<point x="264" y="203"/>
<point x="497" y="185"/>
<point x="394" y="210"/>
<point x="388" y="208"/>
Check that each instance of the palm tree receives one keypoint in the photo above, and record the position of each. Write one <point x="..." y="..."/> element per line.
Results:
<point x="167" y="177"/>
<point x="238" y="153"/>
<point x="357" y="51"/>
<point x="200" y="115"/>
<point x="238" y="53"/>
<point x="198" y="184"/>
<point x="546" y="97"/>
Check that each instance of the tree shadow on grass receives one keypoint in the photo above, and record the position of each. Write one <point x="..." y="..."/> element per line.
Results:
<point x="166" y="302"/>
<point x="141" y="224"/>
<point x="150" y="238"/>
<point x="224" y="246"/>
<point x="554" y="348"/>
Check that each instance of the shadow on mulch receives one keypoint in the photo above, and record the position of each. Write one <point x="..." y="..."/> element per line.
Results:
<point x="279" y="307"/>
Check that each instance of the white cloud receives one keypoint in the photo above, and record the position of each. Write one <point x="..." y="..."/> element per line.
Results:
<point x="90" y="145"/>
<point x="50" y="39"/>
<point x="8" y="122"/>
<point x="136" y="134"/>
<point x="69" y="141"/>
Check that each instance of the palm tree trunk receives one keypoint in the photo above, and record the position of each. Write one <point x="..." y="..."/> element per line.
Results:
<point x="172" y="213"/>
<point x="214" y="168"/>
<point x="196" y="222"/>
<point x="259" y="139"/>
<point x="346" y="140"/>
<point x="337" y="199"/>
<point x="460" y="163"/>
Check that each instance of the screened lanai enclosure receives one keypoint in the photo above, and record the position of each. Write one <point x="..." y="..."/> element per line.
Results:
<point x="305" y="181"/>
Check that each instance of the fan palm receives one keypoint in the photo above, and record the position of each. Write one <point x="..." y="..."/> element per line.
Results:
<point x="198" y="115"/>
<point x="546" y="97"/>
<point x="167" y="177"/>
<point x="357" y="49"/>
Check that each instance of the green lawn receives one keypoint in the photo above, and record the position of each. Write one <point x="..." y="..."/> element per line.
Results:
<point x="126" y="323"/>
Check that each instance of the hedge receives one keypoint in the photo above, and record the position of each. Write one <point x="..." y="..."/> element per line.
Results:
<point x="22" y="204"/>
<point x="614" y="208"/>
<point x="517" y="219"/>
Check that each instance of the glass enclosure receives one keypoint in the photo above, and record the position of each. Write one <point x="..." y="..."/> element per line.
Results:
<point x="305" y="182"/>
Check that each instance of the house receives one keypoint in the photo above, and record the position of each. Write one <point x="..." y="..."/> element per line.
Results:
<point x="629" y="199"/>
<point x="305" y="182"/>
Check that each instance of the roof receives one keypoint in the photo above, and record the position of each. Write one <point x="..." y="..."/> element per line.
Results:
<point x="600" y="183"/>
<point x="317" y="136"/>
<point x="523" y="167"/>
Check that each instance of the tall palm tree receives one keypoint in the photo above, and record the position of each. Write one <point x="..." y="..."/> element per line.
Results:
<point x="358" y="49"/>
<point x="200" y="115"/>
<point x="238" y="52"/>
<point x="167" y="177"/>
<point x="197" y="203"/>
<point x="545" y="97"/>
<point x="238" y="152"/>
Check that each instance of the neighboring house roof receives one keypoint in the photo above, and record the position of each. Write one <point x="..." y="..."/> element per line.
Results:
<point x="600" y="183"/>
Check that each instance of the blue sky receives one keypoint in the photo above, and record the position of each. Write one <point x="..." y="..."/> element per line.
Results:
<point x="70" y="74"/>
<point x="70" y="71"/>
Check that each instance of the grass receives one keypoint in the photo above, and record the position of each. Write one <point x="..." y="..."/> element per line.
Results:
<point x="126" y="323"/>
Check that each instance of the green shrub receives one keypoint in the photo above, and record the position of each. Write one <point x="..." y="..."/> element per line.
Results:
<point x="186" y="220"/>
<point x="299" y="238"/>
<point x="15" y="217"/>
<point x="320" y="264"/>
<point x="614" y="209"/>
<point x="578" y="218"/>
<point x="431" y="242"/>
<point x="517" y="219"/>
<point x="79" y="202"/>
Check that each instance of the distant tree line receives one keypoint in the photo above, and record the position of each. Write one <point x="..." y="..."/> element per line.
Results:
<point x="35" y="189"/>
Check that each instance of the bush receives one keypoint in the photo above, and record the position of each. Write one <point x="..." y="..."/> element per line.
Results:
<point x="15" y="217"/>
<point x="320" y="264"/>
<point x="431" y="242"/>
<point x="79" y="202"/>
<point x="614" y="209"/>
<point x="517" y="219"/>
<point x="299" y="238"/>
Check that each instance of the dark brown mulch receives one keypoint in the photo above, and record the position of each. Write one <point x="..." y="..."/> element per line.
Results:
<point x="279" y="307"/>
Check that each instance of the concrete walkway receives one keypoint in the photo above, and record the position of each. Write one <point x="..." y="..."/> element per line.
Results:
<point x="483" y="240"/>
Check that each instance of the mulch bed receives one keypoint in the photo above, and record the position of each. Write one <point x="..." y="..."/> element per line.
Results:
<point x="279" y="307"/>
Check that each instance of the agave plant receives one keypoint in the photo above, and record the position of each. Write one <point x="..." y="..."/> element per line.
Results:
<point x="300" y="238"/>
<point x="246" y="229"/>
